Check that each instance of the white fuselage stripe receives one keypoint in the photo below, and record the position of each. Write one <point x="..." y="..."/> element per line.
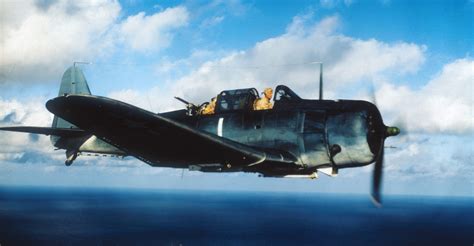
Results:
<point x="219" y="127"/>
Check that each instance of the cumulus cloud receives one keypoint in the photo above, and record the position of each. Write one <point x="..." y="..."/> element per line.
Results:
<point x="431" y="156"/>
<point x="33" y="113"/>
<point x="288" y="59"/>
<point x="423" y="157"/>
<point x="44" y="37"/>
<point x="153" y="32"/>
<point x="443" y="105"/>
<point x="136" y="98"/>
<point x="40" y="38"/>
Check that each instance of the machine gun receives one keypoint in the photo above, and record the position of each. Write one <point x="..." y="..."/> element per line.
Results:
<point x="191" y="108"/>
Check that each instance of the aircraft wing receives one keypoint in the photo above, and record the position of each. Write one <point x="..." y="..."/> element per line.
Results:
<point x="63" y="132"/>
<point x="153" y="138"/>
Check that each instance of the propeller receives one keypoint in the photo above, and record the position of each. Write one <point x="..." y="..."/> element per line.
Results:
<point x="388" y="131"/>
<point x="377" y="177"/>
<point x="378" y="168"/>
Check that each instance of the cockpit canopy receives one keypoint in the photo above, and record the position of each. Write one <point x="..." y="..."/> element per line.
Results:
<point x="285" y="94"/>
<point x="231" y="100"/>
<point x="243" y="99"/>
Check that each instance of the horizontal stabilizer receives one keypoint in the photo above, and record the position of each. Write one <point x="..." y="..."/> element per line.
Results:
<point x="61" y="132"/>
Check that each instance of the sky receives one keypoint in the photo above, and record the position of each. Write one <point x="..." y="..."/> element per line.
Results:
<point x="415" y="56"/>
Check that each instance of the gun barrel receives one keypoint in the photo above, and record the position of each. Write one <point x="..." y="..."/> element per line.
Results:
<point x="182" y="100"/>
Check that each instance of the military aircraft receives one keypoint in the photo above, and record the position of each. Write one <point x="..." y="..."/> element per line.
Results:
<point x="297" y="138"/>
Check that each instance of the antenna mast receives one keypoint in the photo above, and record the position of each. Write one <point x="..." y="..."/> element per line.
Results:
<point x="321" y="81"/>
<point x="80" y="62"/>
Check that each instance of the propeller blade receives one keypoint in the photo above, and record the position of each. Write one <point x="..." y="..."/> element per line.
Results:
<point x="377" y="177"/>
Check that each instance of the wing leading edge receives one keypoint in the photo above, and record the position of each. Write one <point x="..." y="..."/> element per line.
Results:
<point x="152" y="138"/>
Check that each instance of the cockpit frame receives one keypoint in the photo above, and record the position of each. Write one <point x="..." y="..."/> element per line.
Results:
<point x="233" y="100"/>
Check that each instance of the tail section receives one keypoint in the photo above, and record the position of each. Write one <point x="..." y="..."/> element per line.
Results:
<point x="65" y="135"/>
<point x="73" y="82"/>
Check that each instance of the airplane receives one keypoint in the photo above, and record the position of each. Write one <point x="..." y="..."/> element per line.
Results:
<point x="297" y="138"/>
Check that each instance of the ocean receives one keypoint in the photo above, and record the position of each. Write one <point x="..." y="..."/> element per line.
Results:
<point x="73" y="216"/>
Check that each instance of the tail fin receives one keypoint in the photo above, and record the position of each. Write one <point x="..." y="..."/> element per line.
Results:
<point x="65" y="135"/>
<point x="73" y="83"/>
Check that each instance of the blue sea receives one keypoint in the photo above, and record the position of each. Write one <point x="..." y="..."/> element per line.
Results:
<point x="72" y="216"/>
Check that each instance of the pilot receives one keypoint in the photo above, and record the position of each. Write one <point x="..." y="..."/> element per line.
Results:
<point x="209" y="109"/>
<point x="264" y="102"/>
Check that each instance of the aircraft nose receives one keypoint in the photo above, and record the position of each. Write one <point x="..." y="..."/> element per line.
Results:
<point x="392" y="131"/>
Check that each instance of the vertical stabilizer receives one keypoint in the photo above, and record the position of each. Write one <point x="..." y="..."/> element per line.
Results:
<point x="73" y="82"/>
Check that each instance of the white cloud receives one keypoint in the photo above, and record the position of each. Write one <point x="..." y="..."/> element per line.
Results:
<point x="136" y="98"/>
<point x="46" y="37"/>
<point x="30" y="113"/>
<point x="40" y="38"/>
<point x="444" y="104"/>
<point x="143" y="33"/>
<point x="287" y="59"/>
<point x="127" y="95"/>
<point x="431" y="156"/>
<point x="366" y="59"/>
